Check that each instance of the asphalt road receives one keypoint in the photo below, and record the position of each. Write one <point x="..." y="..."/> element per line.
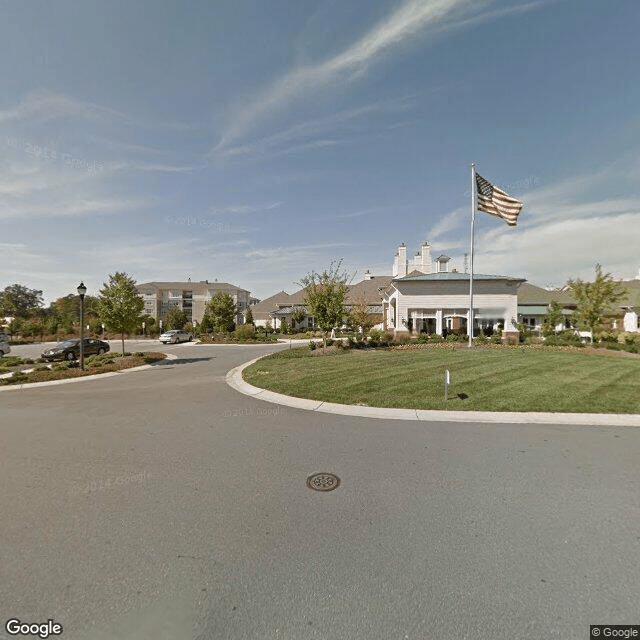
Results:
<point x="162" y="504"/>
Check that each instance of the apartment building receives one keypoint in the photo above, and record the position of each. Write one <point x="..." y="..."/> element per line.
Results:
<point x="191" y="297"/>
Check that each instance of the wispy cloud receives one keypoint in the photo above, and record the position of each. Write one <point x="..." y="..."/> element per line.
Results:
<point x="280" y="143"/>
<point x="293" y="253"/>
<point x="243" y="209"/>
<point x="72" y="206"/>
<point x="411" y="19"/>
<point x="49" y="105"/>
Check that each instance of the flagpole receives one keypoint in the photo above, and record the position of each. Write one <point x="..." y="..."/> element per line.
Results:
<point x="473" y="215"/>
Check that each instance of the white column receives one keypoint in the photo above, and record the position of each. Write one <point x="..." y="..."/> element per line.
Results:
<point x="439" y="315"/>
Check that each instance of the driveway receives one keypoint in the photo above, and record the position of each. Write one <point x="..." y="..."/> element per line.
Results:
<point x="162" y="504"/>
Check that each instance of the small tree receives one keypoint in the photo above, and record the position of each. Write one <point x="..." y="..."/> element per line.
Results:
<point x="298" y="316"/>
<point x="359" y="317"/>
<point x="221" y="312"/>
<point x="120" y="305"/>
<point x="284" y="326"/>
<point x="324" y="297"/>
<point x="248" y="319"/>
<point x="552" y="319"/>
<point x="594" y="298"/>
<point x="175" y="318"/>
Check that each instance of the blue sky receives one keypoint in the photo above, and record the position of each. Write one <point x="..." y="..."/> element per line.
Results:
<point x="252" y="142"/>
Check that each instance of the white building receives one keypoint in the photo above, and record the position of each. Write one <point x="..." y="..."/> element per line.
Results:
<point x="425" y="296"/>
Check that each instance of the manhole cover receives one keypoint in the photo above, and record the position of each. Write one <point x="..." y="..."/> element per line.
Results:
<point x="323" y="481"/>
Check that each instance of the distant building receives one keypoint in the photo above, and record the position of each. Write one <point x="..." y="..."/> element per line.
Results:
<point x="191" y="297"/>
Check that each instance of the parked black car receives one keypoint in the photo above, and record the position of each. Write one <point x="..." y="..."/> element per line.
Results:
<point x="70" y="349"/>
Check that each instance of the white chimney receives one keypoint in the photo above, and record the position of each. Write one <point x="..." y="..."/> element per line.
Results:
<point x="426" y="266"/>
<point x="367" y="275"/>
<point x="402" y="260"/>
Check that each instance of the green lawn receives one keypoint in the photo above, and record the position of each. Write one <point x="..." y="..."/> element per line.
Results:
<point x="510" y="379"/>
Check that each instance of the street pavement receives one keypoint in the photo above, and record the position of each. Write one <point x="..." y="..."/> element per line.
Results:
<point x="163" y="504"/>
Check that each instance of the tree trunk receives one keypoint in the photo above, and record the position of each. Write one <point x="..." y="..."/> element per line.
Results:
<point x="122" y="336"/>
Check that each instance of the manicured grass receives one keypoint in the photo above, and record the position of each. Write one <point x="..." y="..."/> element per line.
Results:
<point x="507" y="379"/>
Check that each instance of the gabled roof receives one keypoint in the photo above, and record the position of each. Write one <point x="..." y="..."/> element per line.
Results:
<point x="452" y="276"/>
<point x="370" y="291"/>
<point x="530" y="294"/>
<point x="632" y="299"/>
<point x="261" y="310"/>
<point x="367" y="290"/>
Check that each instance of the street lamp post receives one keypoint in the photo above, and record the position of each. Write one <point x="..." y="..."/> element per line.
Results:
<point x="81" y="291"/>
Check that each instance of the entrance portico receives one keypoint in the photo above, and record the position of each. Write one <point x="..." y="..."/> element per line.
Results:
<point x="439" y="303"/>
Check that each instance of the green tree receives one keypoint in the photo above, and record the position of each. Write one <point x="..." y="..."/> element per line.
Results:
<point x="221" y="312"/>
<point x="284" y="326"/>
<point x="19" y="302"/>
<point x="120" y="305"/>
<point x="52" y="325"/>
<point x="360" y="318"/>
<point x="552" y="319"/>
<point x="594" y="298"/>
<point x="67" y="309"/>
<point x="324" y="295"/>
<point x="16" y="326"/>
<point x="298" y="316"/>
<point x="175" y="318"/>
<point x="248" y="319"/>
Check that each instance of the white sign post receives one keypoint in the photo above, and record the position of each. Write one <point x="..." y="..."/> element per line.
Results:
<point x="447" y="382"/>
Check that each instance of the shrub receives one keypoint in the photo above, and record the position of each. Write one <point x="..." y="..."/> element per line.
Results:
<point x="61" y="366"/>
<point x="137" y="354"/>
<point x="423" y="338"/>
<point x="18" y="376"/>
<point x="496" y="338"/>
<point x="245" y="332"/>
<point x="566" y="338"/>
<point x="28" y="361"/>
<point x="375" y="335"/>
<point x="149" y="358"/>
<point x="11" y="361"/>
<point x="481" y="339"/>
<point x="631" y="339"/>
<point x="330" y="342"/>
<point x="312" y="345"/>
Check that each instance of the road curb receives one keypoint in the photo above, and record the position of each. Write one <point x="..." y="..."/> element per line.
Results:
<point x="234" y="380"/>
<point x="32" y="385"/>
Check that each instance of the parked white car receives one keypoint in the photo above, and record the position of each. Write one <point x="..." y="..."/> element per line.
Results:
<point x="175" y="335"/>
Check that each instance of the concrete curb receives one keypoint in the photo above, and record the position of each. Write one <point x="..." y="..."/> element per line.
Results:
<point x="31" y="385"/>
<point x="234" y="380"/>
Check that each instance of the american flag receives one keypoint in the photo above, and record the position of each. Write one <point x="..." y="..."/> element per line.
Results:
<point x="496" y="202"/>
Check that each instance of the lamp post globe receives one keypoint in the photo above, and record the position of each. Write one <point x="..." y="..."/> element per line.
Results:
<point x="81" y="292"/>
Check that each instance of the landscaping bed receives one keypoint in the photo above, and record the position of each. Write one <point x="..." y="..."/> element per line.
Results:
<point x="62" y="370"/>
<point x="488" y="378"/>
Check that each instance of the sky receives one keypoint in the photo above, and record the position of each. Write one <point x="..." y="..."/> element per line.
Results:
<point x="253" y="142"/>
